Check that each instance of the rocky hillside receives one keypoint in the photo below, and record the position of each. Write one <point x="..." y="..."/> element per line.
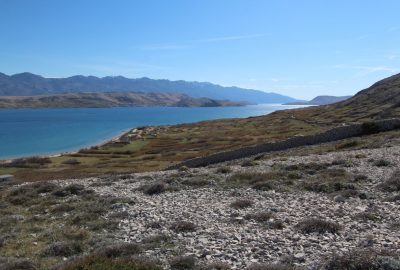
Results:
<point x="295" y="210"/>
<point x="27" y="84"/>
<point x="380" y="101"/>
<point x="97" y="100"/>
<point x="321" y="100"/>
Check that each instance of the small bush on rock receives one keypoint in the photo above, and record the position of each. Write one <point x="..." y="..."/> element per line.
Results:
<point x="183" y="226"/>
<point x="363" y="260"/>
<point x="382" y="163"/>
<point x="10" y="263"/>
<point x="274" y="266"/>
<point x="118" y="250"/>
<point x="241" y="203"/>
<point x="154" y="189"/>
<point x="65" y="249"/>
<point x="183" y="263"/>
<point x="93" y="262"/>
<point x="262" y="217"/>
<point x="392" y="184"/>
<point x="318" y="225"/>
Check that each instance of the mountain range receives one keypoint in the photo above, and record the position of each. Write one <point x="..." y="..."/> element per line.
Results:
<point x="28" y="84"/>
<point x="107" y="99"/>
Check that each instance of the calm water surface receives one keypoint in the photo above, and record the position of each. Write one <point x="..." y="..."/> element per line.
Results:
<point x="27" y="132"/>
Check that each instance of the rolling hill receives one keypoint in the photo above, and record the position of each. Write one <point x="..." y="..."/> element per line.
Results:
<point x="28" y="84"/>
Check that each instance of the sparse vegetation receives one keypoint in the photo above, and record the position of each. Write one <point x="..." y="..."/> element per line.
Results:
<point x="318" y="225"/>
<point x="183" y="226"/>
<point x="392" y="184"/>
<point x="71" y="161"/>
<point x="154" y="189"/>
<point x="363" y="259"/>
<point x="261" y="217"/>
<point x="183" y="263"/>
<point x="382" y="163"/>
<point x="241" y="203"/>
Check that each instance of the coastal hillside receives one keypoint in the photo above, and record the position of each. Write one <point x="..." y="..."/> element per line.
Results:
<point x="328" y="207"/>
<point x="28" y="84"/>
<point x="379" y="101"/>
<point x="102" y="100"/>
<point x="320" y="100"/>
<point x="154" y="148"/>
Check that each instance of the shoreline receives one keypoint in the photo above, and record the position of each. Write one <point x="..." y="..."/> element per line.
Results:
<point x="122" y="133"/>
<point x="69" y="152"/>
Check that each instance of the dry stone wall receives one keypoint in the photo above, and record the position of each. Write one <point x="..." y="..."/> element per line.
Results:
<point x="333" y="134"/>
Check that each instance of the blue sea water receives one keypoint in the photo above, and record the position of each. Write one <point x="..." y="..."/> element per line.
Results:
<point x="28" y="132"/>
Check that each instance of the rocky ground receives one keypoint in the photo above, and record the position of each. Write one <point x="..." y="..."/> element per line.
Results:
<point x="330" y="207"/>
<point x="304" y="210"/>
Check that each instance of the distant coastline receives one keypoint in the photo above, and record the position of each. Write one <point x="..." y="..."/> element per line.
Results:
<point x="110" y="100"/>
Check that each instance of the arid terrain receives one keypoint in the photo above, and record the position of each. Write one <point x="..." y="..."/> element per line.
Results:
<point x="331" y="206"/>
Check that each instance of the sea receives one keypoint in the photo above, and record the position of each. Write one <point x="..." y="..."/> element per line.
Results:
<point x="37" y="132"/>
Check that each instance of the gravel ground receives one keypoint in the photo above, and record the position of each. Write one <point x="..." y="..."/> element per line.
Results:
<point x="222" y="233"/>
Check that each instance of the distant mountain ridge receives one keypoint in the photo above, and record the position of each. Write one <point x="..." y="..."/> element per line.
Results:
<point x="321" y="100"/>
<point x="114" y="99"/>
<point x="28" y="84"/>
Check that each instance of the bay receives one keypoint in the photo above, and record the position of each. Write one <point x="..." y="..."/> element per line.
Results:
<point x="29" y="132"/>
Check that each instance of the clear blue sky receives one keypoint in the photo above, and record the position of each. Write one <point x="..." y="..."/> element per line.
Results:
<point x="298" y="48"/>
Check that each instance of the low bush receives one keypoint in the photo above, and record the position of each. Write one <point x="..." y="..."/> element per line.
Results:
<point x="272" y="266"/>
<point x="196" y="182"/>
<point x="65" y="249"/>
<point x="261" y="217"/>
<point x="363" y="260"/>
<point x="118" y="250"/>
<point x="248" y="163"/>
<point x="216" y="266"/>
<point x="392" y="184"/>
<point x="183" y="226"/>
<point x="71" y="161"/>
<point x="93" y="262"/>
<point x="382" y="163"/>
<point x="224" y="170"/>
<point x="183" y="263"/>
<point x="241" y="203"/>
<point x="11" y="263"/>
<point x="154" y="189"/>
<point x="318" y="225"/>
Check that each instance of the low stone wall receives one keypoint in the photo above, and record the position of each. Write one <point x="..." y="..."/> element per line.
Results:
<point x="334" y="134"/>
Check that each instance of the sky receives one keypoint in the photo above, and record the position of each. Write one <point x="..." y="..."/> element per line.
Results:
<point x="297" y="48"/>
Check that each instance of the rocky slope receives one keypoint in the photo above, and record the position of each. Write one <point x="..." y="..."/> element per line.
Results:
<point x="321" y="100"/>
<point x="301" y="209"/>
<point x="97" y="100"/>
